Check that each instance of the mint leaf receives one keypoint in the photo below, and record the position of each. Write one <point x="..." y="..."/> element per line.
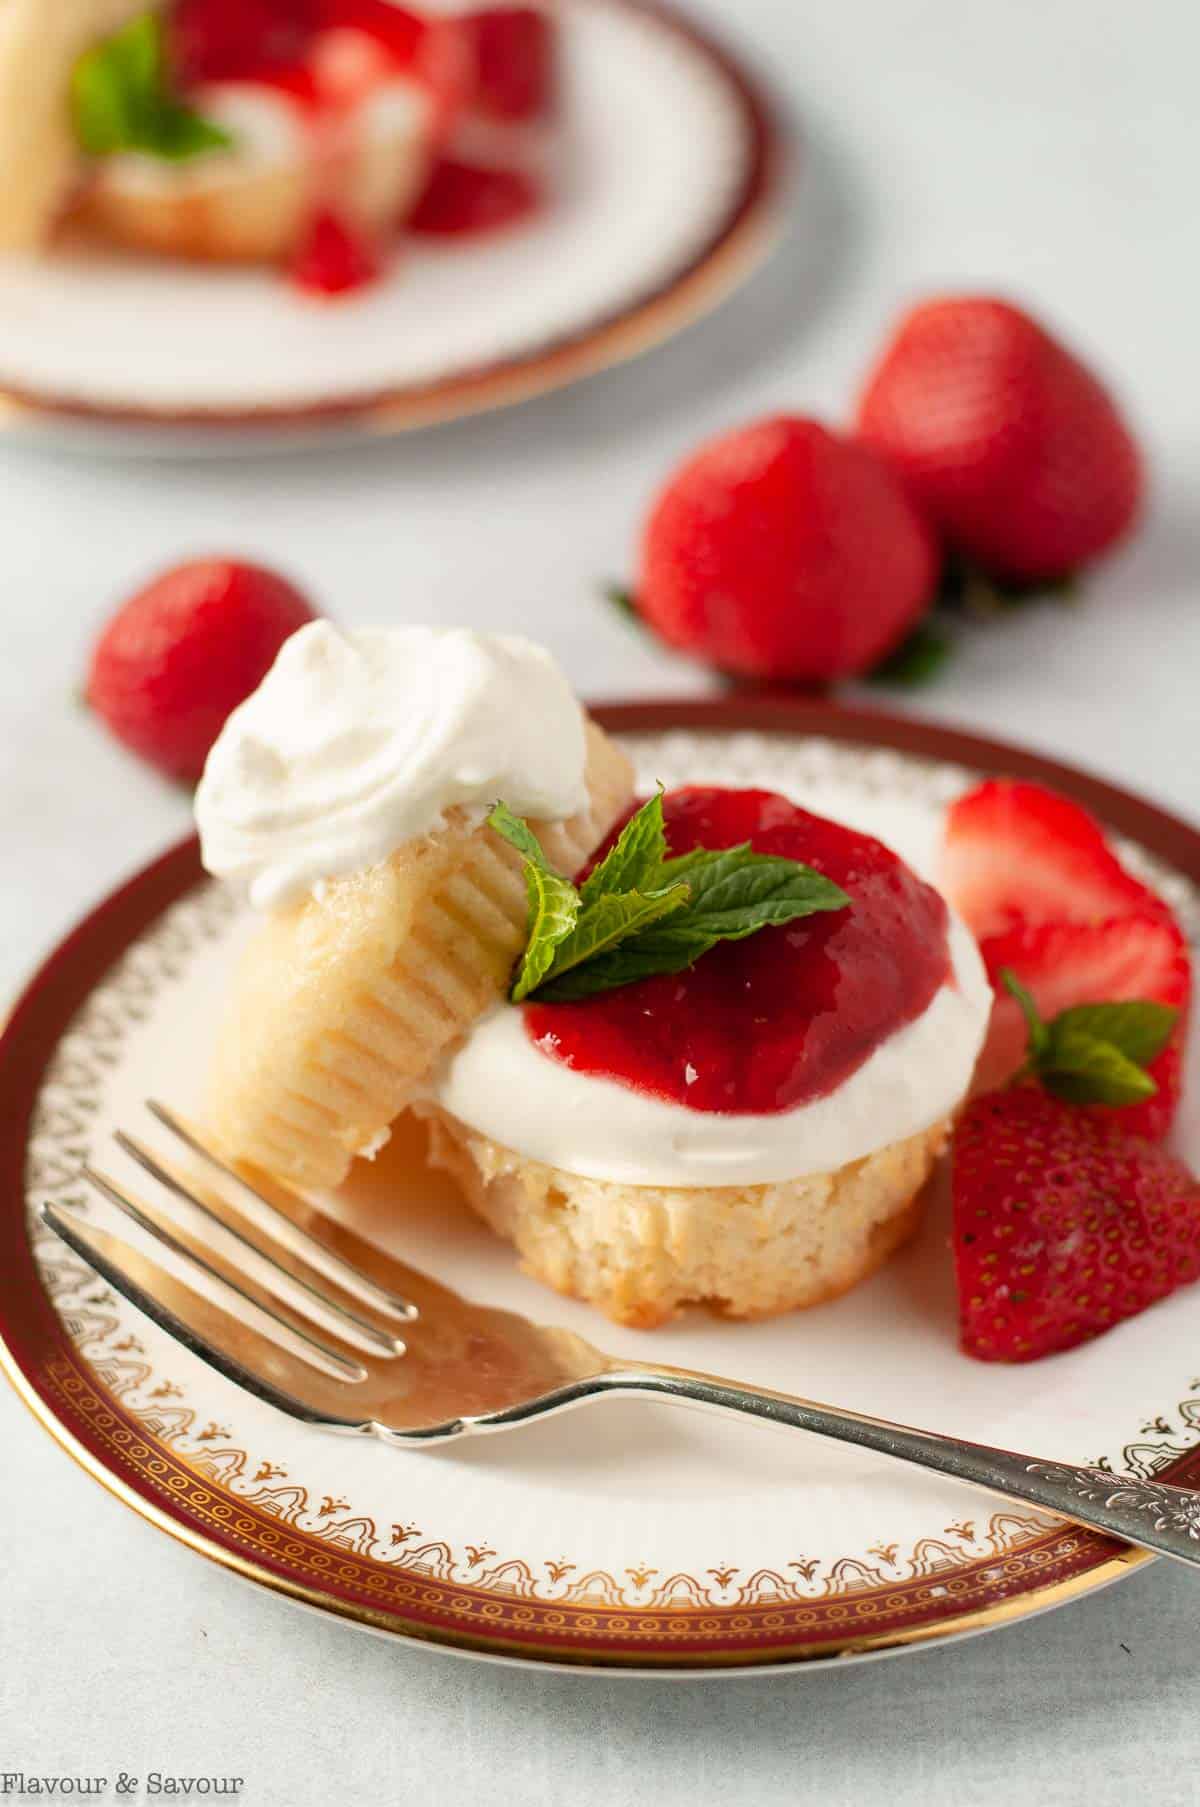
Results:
<point x="640" y="912"/>
<point x="916" y="660"/>
<point x="612" y="919"/>
<point x="734" y="893"/>
<point x="121" y="99"/>
<point x="737" y="892"/>
<point x="1094" y="1053"/>
<point x="641" y="957"/>
<point x="680" y="865"/>
<point x="622" y="600"/>
<point x="1082" y="1070"/>
<point x="635" y="855"/>
<point x="178" y="134"/>
<point x="1139" y="1029"/>
<point x="553" y="913"/>
<point x="554" y="903"/>
<point x="519" y="835"/>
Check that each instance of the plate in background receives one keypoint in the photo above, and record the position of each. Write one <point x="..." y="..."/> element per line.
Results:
<point x="670" y="183"/>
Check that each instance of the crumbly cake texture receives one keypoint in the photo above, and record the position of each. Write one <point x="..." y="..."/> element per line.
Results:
<point x="343" y="1005"/>
<point x="641" y="1253"/>
<point x="40" y="163"/>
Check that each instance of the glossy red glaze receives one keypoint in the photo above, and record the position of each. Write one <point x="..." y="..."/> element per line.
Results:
<point x="463" y="197"/>
<point x="772" y="1022"/>
<point x="271" y="41"/>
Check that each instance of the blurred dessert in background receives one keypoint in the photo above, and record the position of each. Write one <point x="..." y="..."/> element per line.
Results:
<point x="302" y="132"/>
<point x="497" y="163"/>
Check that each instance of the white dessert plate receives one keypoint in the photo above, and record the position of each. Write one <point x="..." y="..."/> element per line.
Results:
<point x="625" y="1535"/>
<point x="667" y="196"/>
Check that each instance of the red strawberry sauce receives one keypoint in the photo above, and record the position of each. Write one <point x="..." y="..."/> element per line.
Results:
<point x="270" y="41"/>
<point x="785" y="1016"/>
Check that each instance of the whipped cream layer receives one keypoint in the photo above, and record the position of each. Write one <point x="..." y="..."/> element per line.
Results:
<point x="501" y="1085"/>
<point x="355" y="743"/>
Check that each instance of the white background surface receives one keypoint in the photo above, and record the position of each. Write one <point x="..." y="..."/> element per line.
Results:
<point x="1049" y="151"/>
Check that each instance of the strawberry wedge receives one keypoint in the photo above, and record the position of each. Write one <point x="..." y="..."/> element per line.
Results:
<point x="1038" y="884"/>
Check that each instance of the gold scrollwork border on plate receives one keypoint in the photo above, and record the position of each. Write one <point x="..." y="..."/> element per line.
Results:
<point x="972" y="1570"/>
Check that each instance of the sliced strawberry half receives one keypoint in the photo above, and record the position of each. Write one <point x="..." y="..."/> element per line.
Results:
<point x="1063" y="1227"/>
<point x="1017" y="853"/>
<point x="1067" y="963"/>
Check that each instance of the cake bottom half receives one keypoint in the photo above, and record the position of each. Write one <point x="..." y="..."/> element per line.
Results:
<point x="641" y="1253"/>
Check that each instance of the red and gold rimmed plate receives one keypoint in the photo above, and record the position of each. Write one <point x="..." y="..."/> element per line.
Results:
<point x="668" y="193"/>
<point x="627" y="1535"/>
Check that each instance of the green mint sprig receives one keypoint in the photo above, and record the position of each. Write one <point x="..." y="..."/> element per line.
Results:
<point x="640" y="912"/>
<point x="121" y="99"/>
<point x="1094" y="1053"/>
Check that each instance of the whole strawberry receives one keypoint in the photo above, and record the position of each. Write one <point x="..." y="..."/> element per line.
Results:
<point x="784" y="551"/>
<point x="184" y="652"/>
<point x="1064" y="1223"/>
<point x="1015" y="451"/>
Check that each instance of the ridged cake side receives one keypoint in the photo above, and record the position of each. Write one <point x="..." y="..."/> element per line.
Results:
<point x="343" y="1005"/>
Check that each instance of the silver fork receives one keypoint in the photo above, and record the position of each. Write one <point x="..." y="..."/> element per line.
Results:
<point x="355" y="1341"/>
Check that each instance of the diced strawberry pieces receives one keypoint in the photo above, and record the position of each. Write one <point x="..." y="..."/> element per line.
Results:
<point x="334" y="258"/>
<point x="515" y="52"/>
<point x="462" y="197"/>
<point x="1016" y="853"/>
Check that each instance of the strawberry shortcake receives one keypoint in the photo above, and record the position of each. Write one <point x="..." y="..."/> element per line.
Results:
<point x="307" y="132"/>
<point x="706" y="1049"/>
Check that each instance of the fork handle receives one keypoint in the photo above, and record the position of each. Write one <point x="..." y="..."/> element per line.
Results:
<point x="1152" y="1514"/>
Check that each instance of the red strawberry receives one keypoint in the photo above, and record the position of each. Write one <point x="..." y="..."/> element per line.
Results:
<point x="1063" y="1225"/>
<point x="216" y="40"/>
<point x="1063" y="964"/>
<point x="333" y="258"/>
<point x="783" y="551"/>
<point x="1016" y="452"/>
<point x="514" y="48"/>
<point x="1016" y="852"/>
<point x="183" y="652"/>
<point x="465" y="197"/>
<point x="1045" y="896"/>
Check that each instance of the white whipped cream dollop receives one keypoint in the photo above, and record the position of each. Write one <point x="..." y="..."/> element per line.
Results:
<point x="504" y="1087"/>
<point x="355" y="743"/>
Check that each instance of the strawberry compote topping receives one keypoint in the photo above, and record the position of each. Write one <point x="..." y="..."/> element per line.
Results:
<point x="784" y="1017"/>
<point x="272" y="41"/>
